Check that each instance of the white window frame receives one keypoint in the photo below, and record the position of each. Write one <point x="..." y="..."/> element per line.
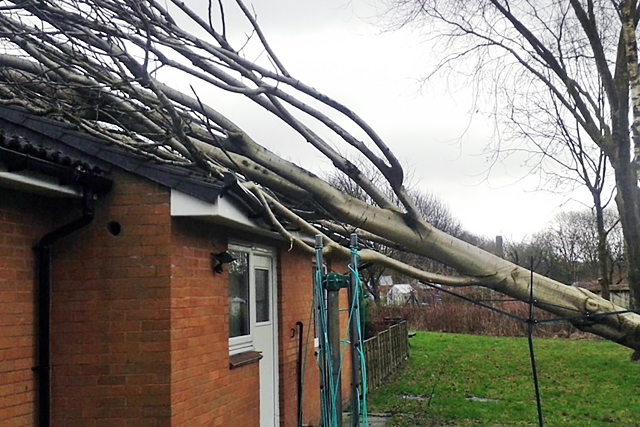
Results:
<point x="245" y="342"/>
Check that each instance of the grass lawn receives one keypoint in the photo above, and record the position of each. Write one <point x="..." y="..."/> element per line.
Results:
<point x="582" y="383"/>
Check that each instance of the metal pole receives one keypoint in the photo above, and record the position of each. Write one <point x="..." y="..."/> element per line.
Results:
<point x="354" y="334"/>
<point x="534" y="371"/>
<point x="320" y="318"/>
<point x="333" y="331"/>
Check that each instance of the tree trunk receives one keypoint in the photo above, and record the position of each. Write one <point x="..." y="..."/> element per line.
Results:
<point x="603" y="250"/>
<point x="501" y="275"/>
<point x="627" y="202"/>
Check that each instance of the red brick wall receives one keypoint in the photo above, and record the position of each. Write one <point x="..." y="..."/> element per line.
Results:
<point x="139" y="321"/>
<point x="110" y="314"/>
<point x="344" y="321"/>
<point x="294" y="304"/>
<point x="24" y="219"/>
<point x="205" y="392"/>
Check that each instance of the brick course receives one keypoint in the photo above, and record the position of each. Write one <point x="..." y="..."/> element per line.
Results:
<point x="296" y="297"/>
<point x="139" y="322"/>
<point x="110" y="314"/>
<point x="204" y="390"/>
<point x="24" y="219"/>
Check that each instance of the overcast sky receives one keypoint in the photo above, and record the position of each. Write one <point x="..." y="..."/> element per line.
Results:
<point x="338" y="47"/>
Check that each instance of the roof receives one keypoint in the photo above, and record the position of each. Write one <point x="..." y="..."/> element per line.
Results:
<point x="20" y="159"/>
<point x="10" y="144"/>
<point x="385" y="281"/>
<point x="402" y="288"/>
<point x="40" y="139"/>
<point x="594" y="286"/>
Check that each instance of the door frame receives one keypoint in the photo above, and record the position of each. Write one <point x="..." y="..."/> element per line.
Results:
<point x="271" y="253"/>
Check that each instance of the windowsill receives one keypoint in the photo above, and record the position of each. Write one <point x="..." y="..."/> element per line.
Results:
<point x="239" y="345"/>
<point x="242" y="359"/>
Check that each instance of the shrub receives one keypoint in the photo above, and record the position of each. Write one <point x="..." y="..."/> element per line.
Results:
<point x="446" y="313"/>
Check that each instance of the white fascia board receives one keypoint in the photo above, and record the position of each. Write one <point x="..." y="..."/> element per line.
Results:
<point x="222" y="210"/>
<point x="32" y="182"/>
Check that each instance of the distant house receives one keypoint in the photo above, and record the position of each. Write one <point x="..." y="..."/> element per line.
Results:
<point x="384" y="285"/>
<point x="385" y="281"/>
<point x="161" y="297"/>
<point x="621" y="295"/>
<point x="401" y="294"/>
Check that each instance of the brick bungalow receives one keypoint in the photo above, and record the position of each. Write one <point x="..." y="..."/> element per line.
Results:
<point x="141" y="329"/>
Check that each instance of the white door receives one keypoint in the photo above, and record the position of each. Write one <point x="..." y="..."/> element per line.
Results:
<point x="265" y="335"/>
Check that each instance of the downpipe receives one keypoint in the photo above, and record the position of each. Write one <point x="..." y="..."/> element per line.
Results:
<point x="299" y="373"/>
<point x="43" y="304"/>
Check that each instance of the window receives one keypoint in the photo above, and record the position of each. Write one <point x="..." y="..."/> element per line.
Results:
<point x="239" y="313"/>
<point x="262" y="295"/>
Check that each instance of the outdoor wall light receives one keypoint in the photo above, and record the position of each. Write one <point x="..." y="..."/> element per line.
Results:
<point x="219" y="259"/>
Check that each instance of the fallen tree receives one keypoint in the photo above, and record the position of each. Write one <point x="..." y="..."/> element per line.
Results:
<point x="96" y="64"/>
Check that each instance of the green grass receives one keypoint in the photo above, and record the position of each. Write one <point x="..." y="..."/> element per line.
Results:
<point x="582" y="383"/>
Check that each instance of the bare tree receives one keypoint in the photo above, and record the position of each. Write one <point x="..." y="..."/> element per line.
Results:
<point x="537" y="253"/>
<point x="97" y="63"/>
<point x="568" y="249"/>
<point x="583" y="52"/>
<point x="558" y="150"/>
<point x="615" y="242"/>
<point x="370" y="273"/>
<point x="432" y="210"/>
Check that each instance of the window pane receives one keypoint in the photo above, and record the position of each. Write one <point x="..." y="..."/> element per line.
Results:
<point x="262" y="296"/>
<point x="239" y="295"/>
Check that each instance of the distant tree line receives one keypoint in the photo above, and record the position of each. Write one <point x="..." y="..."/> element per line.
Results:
<point x="567" y="249"/>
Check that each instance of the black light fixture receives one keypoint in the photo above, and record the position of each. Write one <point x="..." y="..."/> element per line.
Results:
<point x="219" y="259"/>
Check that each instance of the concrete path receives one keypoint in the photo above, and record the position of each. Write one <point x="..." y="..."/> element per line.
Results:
<point x="375" y="420"/>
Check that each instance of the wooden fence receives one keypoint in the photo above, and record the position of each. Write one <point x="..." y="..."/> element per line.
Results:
<point x="385" y="352"/>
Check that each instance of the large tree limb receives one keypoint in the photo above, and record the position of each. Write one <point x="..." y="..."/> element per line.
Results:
<point x="101" y="56"/>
